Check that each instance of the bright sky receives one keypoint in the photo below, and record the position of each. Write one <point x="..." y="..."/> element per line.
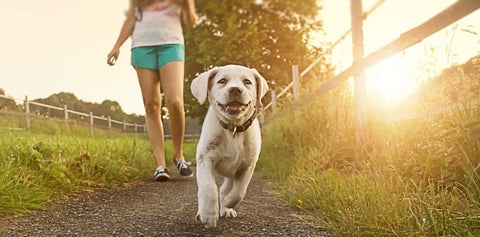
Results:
<point x="53" y="46"/>
<point x="50" y="46"/>
<point x="401" y="73"/>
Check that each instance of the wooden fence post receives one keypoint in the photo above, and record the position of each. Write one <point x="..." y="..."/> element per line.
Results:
<point x="27" y="113"/>
<point x="274" y="100"/>
<point x="136" y="129"/>
<point x="91" y="124"/>
<point x="360" y="88"/>
<point x="109" y="119"/>
<point x="296" y="88"/>
<point x="261" y="117"/>
<point x="295" y="77"/>
<point x="124" y="127"/>
<point x="65" y="109"/>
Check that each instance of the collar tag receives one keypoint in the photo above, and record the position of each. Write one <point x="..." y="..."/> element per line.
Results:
<point x="234" y="131"/>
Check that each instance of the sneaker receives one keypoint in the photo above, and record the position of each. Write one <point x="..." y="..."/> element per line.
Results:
<point x="161" y="174"/>
<point x="183" y="167"/>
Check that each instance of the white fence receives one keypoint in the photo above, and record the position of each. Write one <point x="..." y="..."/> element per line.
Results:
<point x="126" y="127"/>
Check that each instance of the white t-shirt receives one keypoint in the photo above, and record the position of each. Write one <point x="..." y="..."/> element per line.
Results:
<point x="157" y="25"/>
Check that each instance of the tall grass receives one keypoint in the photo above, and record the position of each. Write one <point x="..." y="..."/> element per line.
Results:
<point x="417" y="176"/>
<point x="38" y="166"/>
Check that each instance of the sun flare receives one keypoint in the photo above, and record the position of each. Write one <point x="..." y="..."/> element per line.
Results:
<point x="392" y="80"/>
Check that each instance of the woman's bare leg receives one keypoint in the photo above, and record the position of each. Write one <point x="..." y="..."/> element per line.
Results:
<point x="150" y="86"/>
<point x="171" y="75"/>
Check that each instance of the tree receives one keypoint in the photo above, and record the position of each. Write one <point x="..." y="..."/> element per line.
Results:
<point x="110" y="108"/>
<point x="458" y="83"/>
<point x="105" y="109"/>
<point x="7" y="104"/>
<point x="269" y="35"/>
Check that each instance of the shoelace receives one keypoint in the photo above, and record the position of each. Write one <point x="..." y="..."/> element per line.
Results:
<point x="159" y="170"/>
<point x="182" y="164"/>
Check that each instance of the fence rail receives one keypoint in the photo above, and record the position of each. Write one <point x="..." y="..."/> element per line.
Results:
<point x="137" y="128"/>
<point x="456" y="11"/>
<point x="276" y="96"/>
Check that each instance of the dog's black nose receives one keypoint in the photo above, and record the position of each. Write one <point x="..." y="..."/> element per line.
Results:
<point x="234" y="91"/>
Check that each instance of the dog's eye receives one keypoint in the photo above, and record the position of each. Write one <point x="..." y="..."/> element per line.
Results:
<point x="247" y="82"/>
<point x="222" y="81"/>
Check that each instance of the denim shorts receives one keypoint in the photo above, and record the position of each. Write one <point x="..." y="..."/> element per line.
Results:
<point x="154" y="57"/>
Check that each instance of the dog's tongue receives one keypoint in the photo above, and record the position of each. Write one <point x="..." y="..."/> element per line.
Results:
<point x="234" y="107"/>
<point x="234" y="104"/>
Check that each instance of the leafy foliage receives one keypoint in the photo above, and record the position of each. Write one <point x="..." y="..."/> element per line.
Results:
<point x="6" y="104"/>
<point x="106" y="108"/>
<point x="269" y="35"/>
<point x="454" y="84"/>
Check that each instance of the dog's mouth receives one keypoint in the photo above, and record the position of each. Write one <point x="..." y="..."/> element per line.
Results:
<point x="234" y="107"/>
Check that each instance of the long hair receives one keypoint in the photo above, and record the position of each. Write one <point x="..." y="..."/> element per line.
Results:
<point x="139" y="5"/>
<point x="142" y="4"/>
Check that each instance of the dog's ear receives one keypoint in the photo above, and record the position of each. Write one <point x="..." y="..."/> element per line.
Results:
<point x="262" y="87"/>
<point x="199" y="86"/>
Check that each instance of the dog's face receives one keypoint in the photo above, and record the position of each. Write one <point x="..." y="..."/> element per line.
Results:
<point x="232" y="90"/>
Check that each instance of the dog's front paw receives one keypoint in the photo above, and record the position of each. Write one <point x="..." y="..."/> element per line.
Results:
<point x="208" y="219"/>
<point x="228" y="212"/>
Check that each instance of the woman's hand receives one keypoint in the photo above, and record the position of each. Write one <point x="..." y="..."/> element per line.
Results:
<point x="113" y="56"/>
<point x="188" y="10"/>
<point x="125" y="32"/>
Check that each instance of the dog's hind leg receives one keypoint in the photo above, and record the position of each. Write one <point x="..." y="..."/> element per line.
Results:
<point x="225" y="189"/>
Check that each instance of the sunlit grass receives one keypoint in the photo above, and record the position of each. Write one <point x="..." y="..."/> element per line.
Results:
<point x="36" y="167"/>
<point x="416" y="176"/>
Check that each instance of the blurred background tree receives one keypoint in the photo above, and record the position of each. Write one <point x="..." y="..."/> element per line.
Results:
<point x="6" y="104"/>
<point x="269" y="35"/>
<point x="105" y="109"/>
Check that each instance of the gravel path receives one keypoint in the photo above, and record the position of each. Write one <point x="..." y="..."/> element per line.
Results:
<point x="161" y="209"/>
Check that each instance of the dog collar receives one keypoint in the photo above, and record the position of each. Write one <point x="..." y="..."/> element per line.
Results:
<point x="239" y="128"/>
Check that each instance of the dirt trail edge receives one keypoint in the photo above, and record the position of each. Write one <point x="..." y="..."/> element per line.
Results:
<point x="161" y="209"/>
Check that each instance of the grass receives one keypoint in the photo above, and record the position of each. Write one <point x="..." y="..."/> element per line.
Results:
<point x="417" y="177"/>
<point x="38" y="166"/>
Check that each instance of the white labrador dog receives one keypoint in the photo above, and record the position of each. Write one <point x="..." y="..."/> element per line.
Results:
<point x="230" y="140"/>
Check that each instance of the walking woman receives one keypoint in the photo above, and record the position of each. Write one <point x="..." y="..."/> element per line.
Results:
<point x="158" y="56"/>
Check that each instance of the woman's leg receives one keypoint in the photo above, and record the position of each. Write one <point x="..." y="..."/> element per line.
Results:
<point x="171" y="75"/>
<point x="150" y="86"/>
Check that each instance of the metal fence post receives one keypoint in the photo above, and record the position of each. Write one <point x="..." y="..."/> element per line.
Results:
<point x="27" y="113"/>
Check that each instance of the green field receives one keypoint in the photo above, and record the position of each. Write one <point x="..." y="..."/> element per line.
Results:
<point x="38" y="166"/>
<point x="415" y="177"/>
